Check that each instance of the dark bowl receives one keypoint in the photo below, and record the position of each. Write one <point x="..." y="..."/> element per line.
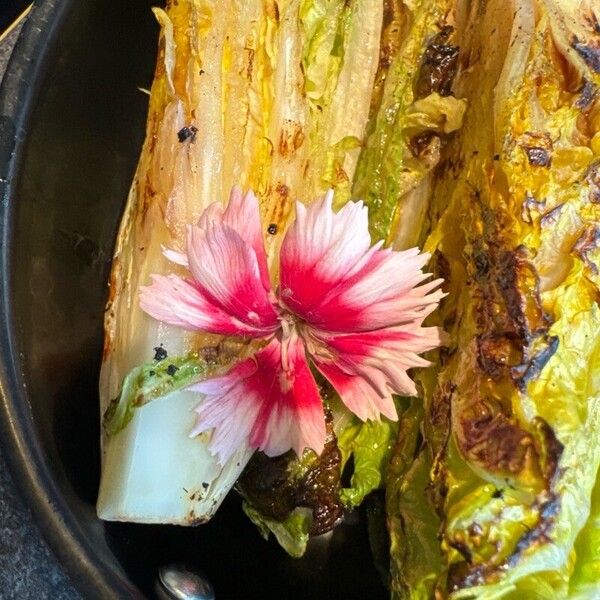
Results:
<point x="71" y="128"/>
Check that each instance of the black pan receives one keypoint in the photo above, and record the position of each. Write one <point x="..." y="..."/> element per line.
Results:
<point x="71" y="127"/>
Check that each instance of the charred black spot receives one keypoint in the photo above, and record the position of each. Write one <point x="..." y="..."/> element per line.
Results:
<point x="593" y="179"/>
<point x="586" y="96"/>
<point x="530" y="369"/>
<point x="172" y="369"/>
<point x="590" y="55"/>
<point x="439" y="65"/>
<point x="272" y="229"/>
<point x="550" y="447"/>
<point x="538" y="148"/>
<point x="462" y="547"/>
<point x="418" y="143"/>
<point x="538" y="157"/>
<point x="187" y="133"/>
<point x="160" y="353"/>
<point x="531" y="205"/>
<point x="588" y="241"/>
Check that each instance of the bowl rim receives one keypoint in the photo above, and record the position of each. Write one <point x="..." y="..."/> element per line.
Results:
<point x="21" y="447"/>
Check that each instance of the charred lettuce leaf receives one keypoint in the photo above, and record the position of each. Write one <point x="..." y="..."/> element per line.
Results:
<point x="511" y="424"/>
<point x="295" y="498"/>
<point x="413" y="111"/>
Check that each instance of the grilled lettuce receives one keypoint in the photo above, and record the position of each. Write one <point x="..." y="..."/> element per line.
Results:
<point x="500" y="500"/>
<point x="252" y="93"/>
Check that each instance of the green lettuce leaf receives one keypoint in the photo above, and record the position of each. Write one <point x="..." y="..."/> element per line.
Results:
<point x="323" y="22"/>
<point x="151" y="381"/>
<point x="415" y="560"/>
<point x="339" y="61"/>
<point x="291" y="533"/>
<point x="370" y="445"/>
<point x="585" y="579"/>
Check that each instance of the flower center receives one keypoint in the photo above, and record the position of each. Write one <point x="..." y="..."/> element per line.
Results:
<point x="293" y="328"/>
<point x="288" y="334"/>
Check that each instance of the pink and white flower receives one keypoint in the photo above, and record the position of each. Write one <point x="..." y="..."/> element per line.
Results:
<point x="352" y="310"/>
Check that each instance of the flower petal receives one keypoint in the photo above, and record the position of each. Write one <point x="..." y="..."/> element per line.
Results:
<point x="332" y="279"/>
<point x="367" y="368"/>
<point x="319" y="249"/>
<point x="270" y="402"/>
<point x="242" y="214"/>
<point x="177" y="301"/>
<point x="178" y="258"/>
<point x="226" y="272"/>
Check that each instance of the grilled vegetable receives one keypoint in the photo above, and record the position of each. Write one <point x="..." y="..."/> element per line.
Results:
<point x="410" y="107"/>
<point x="496" y="502"/>
<point x="412" y="114"/>
<point x="251" y="93"/>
